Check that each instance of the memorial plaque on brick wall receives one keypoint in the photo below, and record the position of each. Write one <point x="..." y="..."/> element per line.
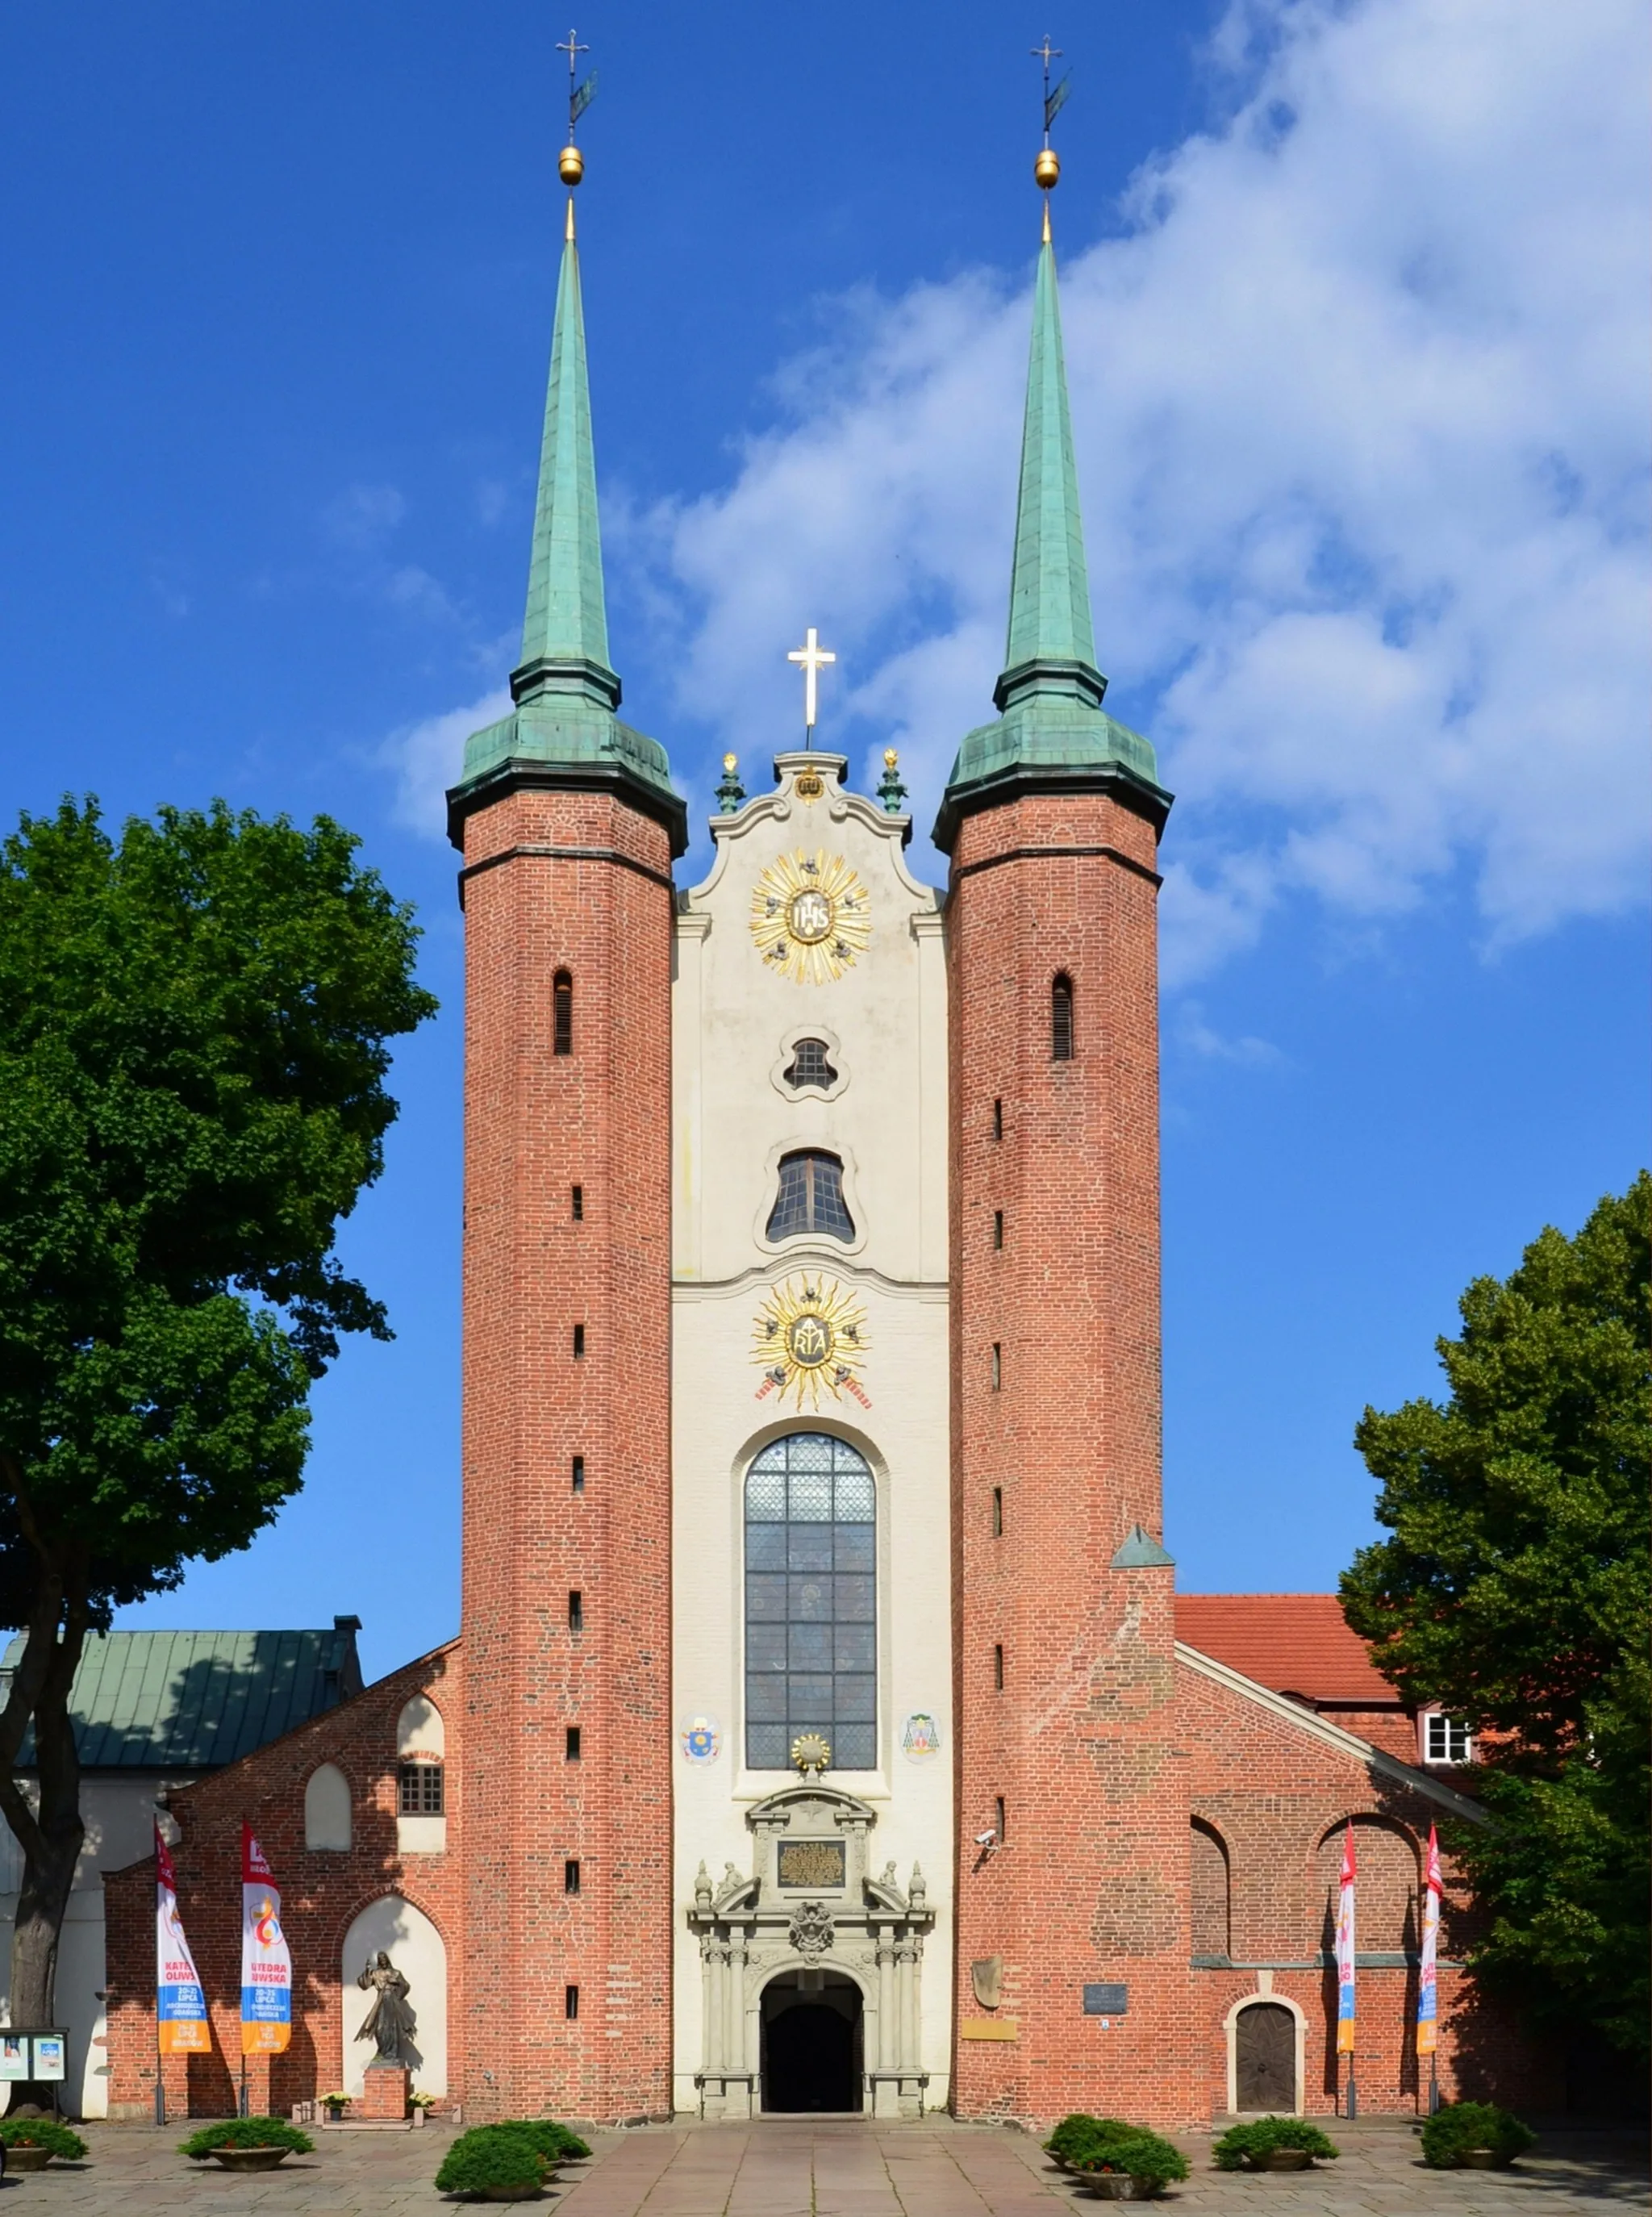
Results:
<point x="1107" y="2001"/>
<point x="811" y="1863"/>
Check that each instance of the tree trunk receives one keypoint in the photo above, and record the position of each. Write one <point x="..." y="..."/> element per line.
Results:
<point x="51" y="1836"/>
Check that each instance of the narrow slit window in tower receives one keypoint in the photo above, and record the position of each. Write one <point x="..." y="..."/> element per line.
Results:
<point x="579" y="1340"/>
<point x="578" y="1208"/>
<point x="997" y="1366"/>
<point x="1061" y="1019"/>
<point x="811" y="1064"/>
<point x="576" y="1612"/>
<point x="571" y="1876"/>
<point x="1000" y="1806"/>
<point x="997" y="1227"/>
<point x="998" y="1670"/>
<point x="571" y="1744"/>
<point x="997" y="1120"/>
<point x="809" y="1198"/>
<point x="579" y="1474"/>
<point x="570" y="2002"/>
<point x="562" y="1014"/>
<point x="997" y="1512"/>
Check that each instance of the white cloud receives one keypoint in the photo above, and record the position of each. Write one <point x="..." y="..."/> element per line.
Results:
<point x="425" y="759"/>
<point x="1360" y="409"/>
<point x="363" y="516"/>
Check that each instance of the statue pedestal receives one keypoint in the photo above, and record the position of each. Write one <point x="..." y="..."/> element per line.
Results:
<point x="383" y="2092"/>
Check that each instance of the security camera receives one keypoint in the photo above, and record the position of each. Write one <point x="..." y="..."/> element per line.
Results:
<point x="987" y="1839"/>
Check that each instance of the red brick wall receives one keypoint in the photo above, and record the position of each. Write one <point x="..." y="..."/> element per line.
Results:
<point x="322" y="1894"/>
<point x="537" y="1124"/>
<point x="1092" y="1882"/>
<point x="1278" y="1799"/>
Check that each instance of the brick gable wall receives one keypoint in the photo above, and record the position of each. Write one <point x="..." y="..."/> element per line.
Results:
<point x="323" y="1891"/>
<point x="575" y="881"/>
<point x="1091" y="1883"/>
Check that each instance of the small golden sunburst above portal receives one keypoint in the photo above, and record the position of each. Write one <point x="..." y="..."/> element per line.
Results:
<point x="810" y="1337"/>
<point x="810" y="917"/>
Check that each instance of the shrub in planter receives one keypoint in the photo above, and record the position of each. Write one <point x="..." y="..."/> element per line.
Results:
<point x="1129" y="2151"/>
<point x="1079" y="2131"/>
<point x="554" y="2141"/>
<point x="494" y="2163"/>
<point x="1462" y="2129"/>
<point x="60" y="2144"/>
<point x="245" y="2132"/>
<point x="1251" y="2143"/>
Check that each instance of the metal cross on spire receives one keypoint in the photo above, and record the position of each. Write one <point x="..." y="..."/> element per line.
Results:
<point x="580" y="97"/>
<point x="814" y="657"/>
<point x="1052" y="101"/>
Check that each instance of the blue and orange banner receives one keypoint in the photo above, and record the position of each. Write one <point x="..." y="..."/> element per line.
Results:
<point x="1345" y="1950"/>
<point x="266" y="1960"/>
<point x="1428" y="1998"/>
<point x="180" y="2025"/>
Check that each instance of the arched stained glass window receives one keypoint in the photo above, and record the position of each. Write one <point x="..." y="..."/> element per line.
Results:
<point x="812" y="1602"/>
<point x="809" y="1198"/>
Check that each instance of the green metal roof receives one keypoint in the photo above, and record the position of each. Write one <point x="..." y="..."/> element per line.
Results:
<point x="1051" y="730"/>
<point x="562" y="732"/>
<point x="194" y="1701"/>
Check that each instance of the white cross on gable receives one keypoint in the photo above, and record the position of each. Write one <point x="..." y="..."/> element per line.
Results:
<point x="814" y="657"/>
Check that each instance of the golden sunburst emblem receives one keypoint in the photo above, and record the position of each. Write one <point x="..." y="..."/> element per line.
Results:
<point x="810" y="917"/>
<point x="810" y="1337"/>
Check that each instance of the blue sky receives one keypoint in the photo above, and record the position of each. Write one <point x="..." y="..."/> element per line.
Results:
<point x="1358" y="348"/>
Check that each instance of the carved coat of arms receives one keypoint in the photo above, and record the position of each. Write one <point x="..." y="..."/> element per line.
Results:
<point x="812" y="1932"/>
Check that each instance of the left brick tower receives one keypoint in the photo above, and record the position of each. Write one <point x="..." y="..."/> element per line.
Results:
<point x="568" y="824"/>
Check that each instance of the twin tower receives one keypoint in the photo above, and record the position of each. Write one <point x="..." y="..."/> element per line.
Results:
<point x="1068" y="1817"/>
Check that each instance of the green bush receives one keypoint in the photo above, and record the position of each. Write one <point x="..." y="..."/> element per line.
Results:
<point x="1460" y="2126"/>
<point x="1152" y="2162"/>
<point x="245" y="2132"/>
<point x="554" y="2141"/>
<point x="1246" y="2143"/>
<point x="1079" y="2131"/>
<point x="490" y="2155"/>
<point x="43" y="2132"/>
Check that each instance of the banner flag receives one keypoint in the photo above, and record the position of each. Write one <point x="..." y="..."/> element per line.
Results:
<point x="266" y="1960"/>
<point x="181" y="2026"/>
<point x="1345" y="1951"/>
<point x="1427" y="1997"/>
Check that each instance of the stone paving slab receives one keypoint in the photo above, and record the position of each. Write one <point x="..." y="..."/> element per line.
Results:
<point x="787" y="2168"/>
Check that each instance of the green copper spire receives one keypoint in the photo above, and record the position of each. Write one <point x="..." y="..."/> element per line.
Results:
<point x="566" y="622"/>
<point x="1051" y="730"/>
<point x="1050" y="587"/>
<point x="563" y="731"/>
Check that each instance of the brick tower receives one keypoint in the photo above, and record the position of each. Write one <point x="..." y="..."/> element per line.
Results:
<point x="1065" y="1735"/>
<point x="568" y="825"/>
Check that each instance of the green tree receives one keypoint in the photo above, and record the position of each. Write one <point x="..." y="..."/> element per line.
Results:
<point x="1515" y="1592"/>
<point x="193" y="1023"/>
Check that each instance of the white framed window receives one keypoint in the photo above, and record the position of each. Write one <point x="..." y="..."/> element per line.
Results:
<point x="1446" y="1739"/>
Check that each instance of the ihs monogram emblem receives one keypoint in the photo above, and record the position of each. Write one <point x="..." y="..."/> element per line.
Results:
<point x="810" y="917"/>
<point x="810" y="1337"/>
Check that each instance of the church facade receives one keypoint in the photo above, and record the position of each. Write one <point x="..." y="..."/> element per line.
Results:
<point x="818" y="1736"/>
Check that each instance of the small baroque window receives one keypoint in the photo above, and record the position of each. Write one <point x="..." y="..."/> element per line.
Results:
<point x="809" y="1198"/>
<point x="562" y="1014"/>
<point x="811" y="1064"/>
<point x="1446" y="1739"/>
<point x="1061" y="1018"/>
<point x="420" y="1789"/>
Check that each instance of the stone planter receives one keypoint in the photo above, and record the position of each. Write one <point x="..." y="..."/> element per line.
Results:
<point x="27" y="2158"/>
<point x="1482" y="2159"/>
<point x="1113" y="2185"/>
<point x="523" y="2193"/>
<point x="1283" y="2158"/>
<point x="249" y="2158"/>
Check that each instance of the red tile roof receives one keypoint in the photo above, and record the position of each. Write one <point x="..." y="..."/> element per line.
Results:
<point x="1292" y="1642"/>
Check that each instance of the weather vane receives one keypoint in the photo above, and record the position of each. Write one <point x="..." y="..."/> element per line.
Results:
<point x="1047" y="169"/>
<point x="571" y="166"/>
<point x="814" y="657"/>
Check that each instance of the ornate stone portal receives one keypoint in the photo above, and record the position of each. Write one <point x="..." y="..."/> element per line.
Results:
<point x="811" y="1906"/>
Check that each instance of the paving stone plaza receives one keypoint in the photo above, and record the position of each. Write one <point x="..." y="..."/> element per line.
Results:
<point x="793" y="2168"/>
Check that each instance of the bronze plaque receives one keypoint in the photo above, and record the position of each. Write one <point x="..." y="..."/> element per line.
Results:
<point x="811" y="1863"/>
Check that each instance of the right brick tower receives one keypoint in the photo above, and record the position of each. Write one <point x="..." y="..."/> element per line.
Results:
<point x="1073" y="1988"/>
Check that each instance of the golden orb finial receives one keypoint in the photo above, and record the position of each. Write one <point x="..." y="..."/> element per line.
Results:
<point x="570" y="165"/>
<point x="891" y="757"/>
<point x="729" y="762"/>
<point x="1047" y="169"/>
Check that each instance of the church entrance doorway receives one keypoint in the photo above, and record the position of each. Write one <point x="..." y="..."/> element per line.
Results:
<point x="1265" y="2059"/>
<point x="811" y="2043"/>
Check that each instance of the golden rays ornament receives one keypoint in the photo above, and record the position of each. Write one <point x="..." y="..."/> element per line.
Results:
<point x="810" y="917"/>
<point x="810" y="1337"/>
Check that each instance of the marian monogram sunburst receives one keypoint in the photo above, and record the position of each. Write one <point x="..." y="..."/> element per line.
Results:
<point x="810" y="916"/>
<point x="810" y="1337"/>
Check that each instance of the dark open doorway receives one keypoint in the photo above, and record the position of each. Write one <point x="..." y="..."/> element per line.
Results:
<point x="811" y="2043"/>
